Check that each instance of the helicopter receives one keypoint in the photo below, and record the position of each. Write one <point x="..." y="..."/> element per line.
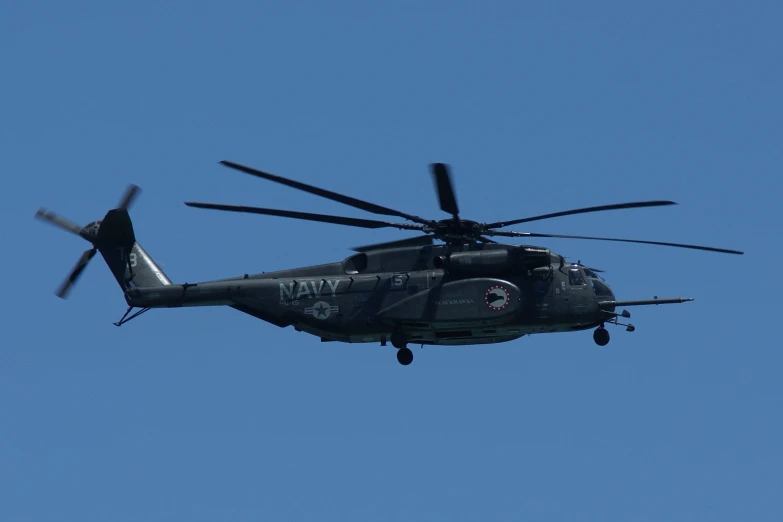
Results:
<point x="468" y="289"/>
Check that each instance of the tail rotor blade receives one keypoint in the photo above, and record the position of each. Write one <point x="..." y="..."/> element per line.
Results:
<point x="129" y="196"/>
<point x="448" y="201"/>
<point x="59" y="221"/>
<point x="65" y="287"/>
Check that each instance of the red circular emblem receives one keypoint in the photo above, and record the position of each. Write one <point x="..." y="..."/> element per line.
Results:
<point x="497" y="297"/>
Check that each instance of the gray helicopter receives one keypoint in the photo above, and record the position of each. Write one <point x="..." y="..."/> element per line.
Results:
<point x="467" y="290"/>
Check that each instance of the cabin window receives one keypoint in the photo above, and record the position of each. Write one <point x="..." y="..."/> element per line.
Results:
<point x="540" y="286"/>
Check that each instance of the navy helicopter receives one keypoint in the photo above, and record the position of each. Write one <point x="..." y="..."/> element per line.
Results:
<point x="466" y="290"/>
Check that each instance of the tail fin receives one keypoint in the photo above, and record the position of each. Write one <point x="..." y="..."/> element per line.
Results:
<point x="129" y="262"/>
<point x="114" y="238"/>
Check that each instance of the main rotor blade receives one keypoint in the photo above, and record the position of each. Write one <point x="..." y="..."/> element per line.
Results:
<point x="600" y="208"/>
<point x="678" y="245"/>
<point x="129" y="196"/>
<point x="54" y="219"/>
<point x="401" y="243"/>
<point x="347" y="200"/>
<point x="324" y="218"/>
<point x="81" y="264"/>
<point x="448" y="201"/>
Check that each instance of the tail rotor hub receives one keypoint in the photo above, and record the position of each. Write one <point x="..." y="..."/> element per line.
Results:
<point x="90" y="231"/>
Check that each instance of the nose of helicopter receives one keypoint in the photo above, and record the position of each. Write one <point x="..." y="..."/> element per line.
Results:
<point x="602" y="290"/>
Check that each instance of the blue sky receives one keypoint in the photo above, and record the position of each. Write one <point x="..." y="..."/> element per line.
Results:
<point x="208" y="414"/>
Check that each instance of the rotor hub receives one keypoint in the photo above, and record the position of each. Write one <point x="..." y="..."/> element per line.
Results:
<point x="456" y="230"/>
<point x="90" y="231"/>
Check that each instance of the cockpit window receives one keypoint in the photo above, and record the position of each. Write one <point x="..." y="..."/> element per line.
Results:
<point x="601" y="289"/>
<point x="575" y="277"/>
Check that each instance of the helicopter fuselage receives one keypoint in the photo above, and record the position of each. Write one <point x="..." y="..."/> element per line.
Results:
<point x="436" y="294"/>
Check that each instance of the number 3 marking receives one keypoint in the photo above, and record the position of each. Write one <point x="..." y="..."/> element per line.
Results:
<point x="131" y="256"/>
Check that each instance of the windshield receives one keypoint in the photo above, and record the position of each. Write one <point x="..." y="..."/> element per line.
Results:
<point x="575" y="277"/>
<point x="599" y="287"/>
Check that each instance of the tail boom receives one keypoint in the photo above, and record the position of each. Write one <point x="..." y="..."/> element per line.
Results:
<point x="173" y="296"/>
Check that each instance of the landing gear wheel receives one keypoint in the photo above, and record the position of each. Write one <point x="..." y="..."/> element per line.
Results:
<point x="601" y="336"/>
<point x="404" y="356"/>
<point x="398" y="340"/>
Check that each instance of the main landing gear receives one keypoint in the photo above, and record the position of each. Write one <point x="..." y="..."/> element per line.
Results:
<point x="404" y="354"/>
<point x="601" y="336"/>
